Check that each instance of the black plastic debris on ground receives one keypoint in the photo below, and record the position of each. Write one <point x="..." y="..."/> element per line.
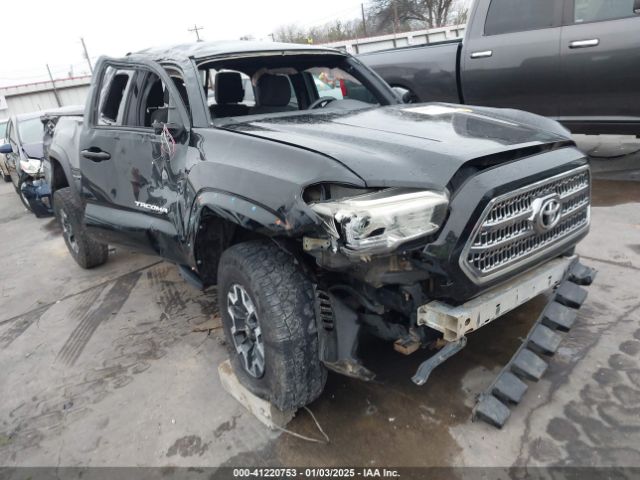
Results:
<point x="543" y="339"/>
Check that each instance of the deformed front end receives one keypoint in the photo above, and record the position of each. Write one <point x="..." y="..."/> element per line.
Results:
<point x="426" y="268"/>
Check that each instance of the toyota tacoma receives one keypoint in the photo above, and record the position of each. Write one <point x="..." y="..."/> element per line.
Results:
<point x="322" y="217"/>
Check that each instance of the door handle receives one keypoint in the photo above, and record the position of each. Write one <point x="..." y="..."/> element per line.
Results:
<point x="593" y="42"/>
<point x="483" y="54"/>
<point x="95" y="154"/>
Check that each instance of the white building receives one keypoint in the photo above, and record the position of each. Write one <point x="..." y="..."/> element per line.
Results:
<point x="33" y="97"/>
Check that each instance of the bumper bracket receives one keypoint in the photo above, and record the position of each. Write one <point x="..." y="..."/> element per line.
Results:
<point x="446" y="352"/>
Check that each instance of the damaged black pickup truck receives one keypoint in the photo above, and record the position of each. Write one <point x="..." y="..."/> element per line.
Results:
<point x="295" y="180"/>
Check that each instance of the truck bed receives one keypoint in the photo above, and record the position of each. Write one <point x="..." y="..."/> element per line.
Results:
<point x="429" y="71"/>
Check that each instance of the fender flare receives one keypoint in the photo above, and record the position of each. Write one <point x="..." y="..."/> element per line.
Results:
<point x="250" y="215"/>
<point x="61" y="158"/>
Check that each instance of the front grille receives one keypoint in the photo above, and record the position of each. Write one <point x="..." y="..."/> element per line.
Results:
<point x="506" y="236"/>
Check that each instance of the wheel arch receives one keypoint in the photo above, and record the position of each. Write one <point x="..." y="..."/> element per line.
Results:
<point x="221" y="219"/>
<point x="61" y="175"/>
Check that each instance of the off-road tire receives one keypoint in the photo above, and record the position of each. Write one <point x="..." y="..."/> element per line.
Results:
<point x="89" y="253"/>
<point x="283" y="298"/>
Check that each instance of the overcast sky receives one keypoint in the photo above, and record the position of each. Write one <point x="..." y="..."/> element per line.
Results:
<point x="37" y="32"/>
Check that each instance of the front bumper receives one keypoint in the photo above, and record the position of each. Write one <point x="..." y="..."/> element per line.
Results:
<point x="456" y="321"/>
<point x="565" y="276"/>
<point x="38" y="194"/>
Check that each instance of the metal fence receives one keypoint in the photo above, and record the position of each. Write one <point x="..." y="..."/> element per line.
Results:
<point x="384" y="42"/>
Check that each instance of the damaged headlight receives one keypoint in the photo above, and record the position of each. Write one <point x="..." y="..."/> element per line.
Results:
<point x="379" y="222"/>
<point x="30" y="166"/>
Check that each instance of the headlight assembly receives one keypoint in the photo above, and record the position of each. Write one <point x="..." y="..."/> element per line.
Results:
<point x="30" y="166"/>
<point x="379" y="222"/>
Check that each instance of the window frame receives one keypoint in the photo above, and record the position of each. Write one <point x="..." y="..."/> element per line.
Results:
<point x="139" y="67"/>
<point x="124" y="101"/>
<point x="166" y="67"/>
<point x="569" y="16"/>
<point x="558" y="17"/>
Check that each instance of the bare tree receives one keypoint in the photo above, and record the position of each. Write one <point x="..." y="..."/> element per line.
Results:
<point x="406" y="13"/>
<point x="459" y="13"/>
<point x="331" y="32"/>
<point x="382" y="16"/>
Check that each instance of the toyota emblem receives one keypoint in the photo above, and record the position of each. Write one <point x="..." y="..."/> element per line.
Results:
<point x="546" y="213"/>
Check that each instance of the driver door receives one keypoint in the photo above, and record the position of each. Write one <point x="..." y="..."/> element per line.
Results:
<point x="132" y="156"/>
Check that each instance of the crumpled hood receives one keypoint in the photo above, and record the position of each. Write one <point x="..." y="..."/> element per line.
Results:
<point x="33" y="150"/>
<point x="408" y="145"/>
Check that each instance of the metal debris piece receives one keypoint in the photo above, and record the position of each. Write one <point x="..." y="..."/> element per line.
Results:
<point x="446" y="352"/>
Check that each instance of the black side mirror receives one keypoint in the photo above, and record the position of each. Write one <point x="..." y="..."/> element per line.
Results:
<point x="407" y="97"/>
<point x="636" y="7"/>
<point x="403" y="94"/>
<point x="6" y="148"/>
<point x="175" y="130"/>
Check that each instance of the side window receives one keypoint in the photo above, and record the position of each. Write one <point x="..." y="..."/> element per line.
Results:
<point x="508" y="16"/>
<point x="115" y="84"/>
<point x="598" y="10"/>
<point x="151" y="101"/>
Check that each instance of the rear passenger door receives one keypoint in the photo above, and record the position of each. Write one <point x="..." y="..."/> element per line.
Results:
<point x="600" y="50"/>
<point x="133" y="151"/>
<point x="513" y="59"/>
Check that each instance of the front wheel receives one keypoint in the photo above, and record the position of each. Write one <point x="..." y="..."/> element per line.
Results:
<point x="20" y="193"/>
<point x="266" y="304"/>
<point x="69" y="211"/>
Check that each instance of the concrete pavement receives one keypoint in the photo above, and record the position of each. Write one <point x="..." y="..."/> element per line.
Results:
<point x="104" y="368"/>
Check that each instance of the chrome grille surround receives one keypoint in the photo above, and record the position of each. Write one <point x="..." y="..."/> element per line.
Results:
<point x="504" y="238"/>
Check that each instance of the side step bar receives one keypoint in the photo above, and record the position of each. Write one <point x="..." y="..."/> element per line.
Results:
<point x="543" y="340"/>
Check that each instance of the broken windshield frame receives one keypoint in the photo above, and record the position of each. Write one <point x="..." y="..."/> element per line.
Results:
<point x="345" y="80"/>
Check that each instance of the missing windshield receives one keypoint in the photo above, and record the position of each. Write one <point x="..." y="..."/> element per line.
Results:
<point x="280" y="85"/>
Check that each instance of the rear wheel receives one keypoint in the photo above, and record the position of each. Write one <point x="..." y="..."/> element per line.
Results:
<point x="69" y="211"/>
<point x="266" y="303"/>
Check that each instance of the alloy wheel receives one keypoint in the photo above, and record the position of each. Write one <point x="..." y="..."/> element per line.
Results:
<point x="67" y="231"/>
<point x="245" y="330"/>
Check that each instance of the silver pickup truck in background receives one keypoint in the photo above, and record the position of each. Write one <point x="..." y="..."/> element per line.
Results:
<point x="577" y="61"/>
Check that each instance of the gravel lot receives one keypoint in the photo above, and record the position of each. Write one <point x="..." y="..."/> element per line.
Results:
<point x="107" y="368"/>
